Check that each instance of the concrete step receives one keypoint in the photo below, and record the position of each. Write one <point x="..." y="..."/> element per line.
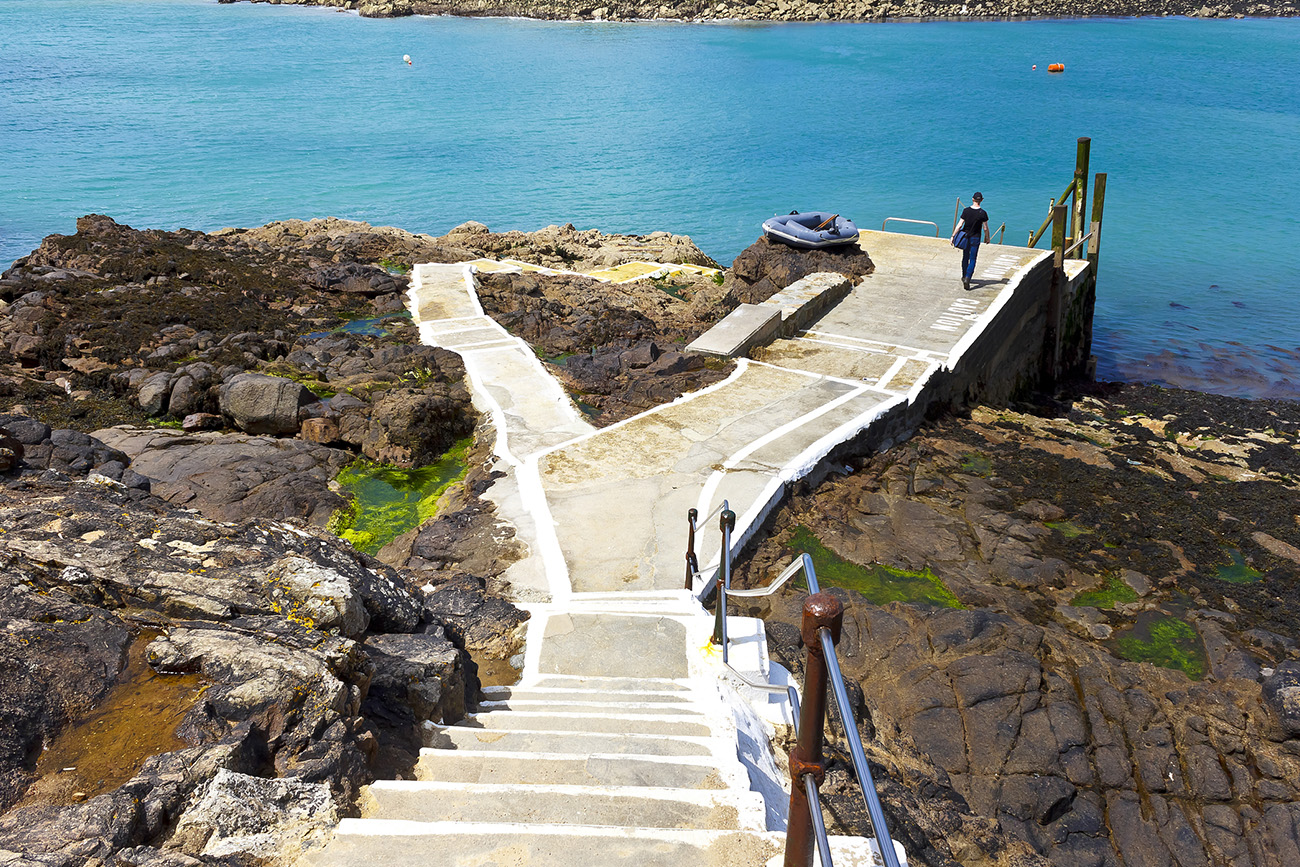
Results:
<point x="678" y="772"/>
<point x="563" y="694"/>
<point x="590" y="704"/>
<point x="610" y="684"/>
<point x="543" y="721"/>
<point x="574" y="743"/>
<point x="359" y="842"/>
<point x="564" y="805"/>
<point x="607" y="698"/>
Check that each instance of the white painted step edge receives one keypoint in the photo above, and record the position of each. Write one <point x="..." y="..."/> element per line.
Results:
<point x="702" y="838"/>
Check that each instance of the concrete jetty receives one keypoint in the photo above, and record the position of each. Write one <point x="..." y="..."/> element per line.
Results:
<point x="626" y="740"/>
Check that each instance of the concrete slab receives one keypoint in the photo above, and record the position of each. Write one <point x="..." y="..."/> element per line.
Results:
<point x="612" y="646"/>
<point x="742" y="329"/>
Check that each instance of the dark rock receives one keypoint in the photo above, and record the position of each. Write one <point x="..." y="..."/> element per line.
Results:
<point x="422" y="673"/>
<point x="261" y="404"/>
<point x="766" y="267"/>
<point x="202" y="421"/>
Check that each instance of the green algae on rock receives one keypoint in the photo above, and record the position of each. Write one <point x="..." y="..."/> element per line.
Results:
<point x="1239" y="572"/>
<point x="1108" y="595"/>
<point x="878" y="583"/>
<point x="1164" y="640"/>
<point x="387" y="501"/>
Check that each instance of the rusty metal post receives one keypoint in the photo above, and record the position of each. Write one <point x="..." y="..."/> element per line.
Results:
<point x="819" y="610"/>
<point x="726" y="523"/>
<point x="1077" y="229"/>
<point x="692" y="565"/>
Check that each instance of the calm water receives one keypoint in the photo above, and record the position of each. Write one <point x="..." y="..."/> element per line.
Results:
<point x="166" y="113"/>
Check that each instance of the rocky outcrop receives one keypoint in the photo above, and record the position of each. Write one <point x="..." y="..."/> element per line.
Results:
<point x="235" y="477"/>
<point x="1117" y="688"/>
<point x="766" y="267"/>
<point x="799" y="10"/>
<point x="308" y="658"/>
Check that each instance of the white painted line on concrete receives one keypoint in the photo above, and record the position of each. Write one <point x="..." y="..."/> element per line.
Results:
<point x="852" y="383"/>
<point x="533" y="496"/>
<point x="865" y="349"/>
<point x="892" y="372"/>
<point x="896" y="347"/>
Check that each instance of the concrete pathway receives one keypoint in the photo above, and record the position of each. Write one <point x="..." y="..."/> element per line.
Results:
<point x="627" y="741"/>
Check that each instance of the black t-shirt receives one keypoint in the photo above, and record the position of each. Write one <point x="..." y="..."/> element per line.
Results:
<point x="972" y="219"/>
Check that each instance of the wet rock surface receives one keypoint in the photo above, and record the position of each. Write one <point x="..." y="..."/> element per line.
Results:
<point x="1117" y="687"/>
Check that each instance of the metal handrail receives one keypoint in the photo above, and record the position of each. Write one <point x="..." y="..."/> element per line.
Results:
<point x="1001" y="233"/>
<point x="1034" y="237"/>
<point x="866" y="782"/>
<point x="889" y="220"/>
<point x="1076" y="245"/>
<point x="790" y="571"/>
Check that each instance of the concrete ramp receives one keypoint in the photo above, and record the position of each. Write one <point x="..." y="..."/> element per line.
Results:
<point x="626" y="741"/>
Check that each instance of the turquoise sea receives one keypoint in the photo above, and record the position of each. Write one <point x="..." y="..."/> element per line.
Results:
<point x="167" y="113"/>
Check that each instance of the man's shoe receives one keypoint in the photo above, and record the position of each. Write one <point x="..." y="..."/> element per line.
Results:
<point x="965" y="284"/>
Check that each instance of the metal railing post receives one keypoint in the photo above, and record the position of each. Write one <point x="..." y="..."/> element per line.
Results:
<point x="726" y="523"/>
<point x="820" y="610"/>
<point x="692" y="564"/>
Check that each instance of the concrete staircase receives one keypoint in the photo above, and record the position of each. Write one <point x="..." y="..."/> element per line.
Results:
<point x="586" y="768"/>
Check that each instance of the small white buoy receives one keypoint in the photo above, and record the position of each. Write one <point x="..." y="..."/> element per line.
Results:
<point x="407" y="59"/>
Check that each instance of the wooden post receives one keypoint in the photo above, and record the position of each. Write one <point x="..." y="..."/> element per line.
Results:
<point x="1080" y="189"/>
<point x="819" y="610"/>
<point x="1094" y="243"/>
<point x="1094" y="255"/>
<point x="1051" y="335"/>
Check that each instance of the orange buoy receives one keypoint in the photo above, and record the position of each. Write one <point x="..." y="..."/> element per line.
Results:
<point x="1056" y="67"/>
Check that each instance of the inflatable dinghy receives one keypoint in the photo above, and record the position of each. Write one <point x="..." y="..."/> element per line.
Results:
<point x="811" y="231"/>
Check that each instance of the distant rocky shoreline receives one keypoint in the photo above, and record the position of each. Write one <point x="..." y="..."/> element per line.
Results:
<point x="805" y="10"/>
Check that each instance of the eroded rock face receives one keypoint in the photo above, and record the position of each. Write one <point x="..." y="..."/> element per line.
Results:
<point x="1085" y="543"/>
<point x="272" y="821"/>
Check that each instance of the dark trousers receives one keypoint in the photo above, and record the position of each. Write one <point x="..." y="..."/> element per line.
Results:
<point x="968" y="257"/>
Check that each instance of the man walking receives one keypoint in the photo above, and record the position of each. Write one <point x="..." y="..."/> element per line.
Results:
<point x="973" y="219"/>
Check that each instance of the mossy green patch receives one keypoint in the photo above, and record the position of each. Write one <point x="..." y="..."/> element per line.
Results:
<point x="1239" y="572"/>
<point x="1068" y="529"/>
<point x="976" y="464"/>
<point x="1108" y="595"/>
<point x="387" y="501"/>
<point x="877" y="583"/>
<point x="1164" y="640"/>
